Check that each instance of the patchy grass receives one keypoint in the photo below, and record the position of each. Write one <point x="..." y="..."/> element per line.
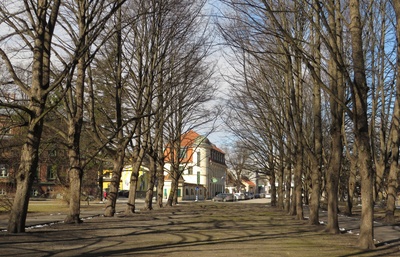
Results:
<point x="50" y="206"/>
<point x="5" y="204"/>
<point x="36" y="207"/>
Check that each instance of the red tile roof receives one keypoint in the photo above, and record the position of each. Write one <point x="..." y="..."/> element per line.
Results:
<point x="189" y="138"/>
<point x="248" y="182"/>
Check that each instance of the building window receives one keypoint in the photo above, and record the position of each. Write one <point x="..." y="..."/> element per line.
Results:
<point x="51" y="172"/>
<point x="183" y="153"/>
<point x="3" y="191"/>
<point x="190" y="171"/>
<point x="107" y="174"/>
<point x="3" y="170"/>
<point x="198" y="158"/>
<point x="52" y="153"/>
<point x="187" y="191"/>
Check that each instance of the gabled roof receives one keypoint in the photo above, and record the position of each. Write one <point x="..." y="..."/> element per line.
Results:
<point x="217" y="149"/>
<point x="189" y="138"/>
<point x="248" y="182"/>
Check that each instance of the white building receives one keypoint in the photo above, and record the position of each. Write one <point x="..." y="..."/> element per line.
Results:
<point x="203" y="166"/>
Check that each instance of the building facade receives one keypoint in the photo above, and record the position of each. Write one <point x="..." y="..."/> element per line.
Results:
<point x="202" y="167"/>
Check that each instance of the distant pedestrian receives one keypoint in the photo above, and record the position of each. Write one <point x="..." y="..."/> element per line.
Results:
<point x="104" y="195"/>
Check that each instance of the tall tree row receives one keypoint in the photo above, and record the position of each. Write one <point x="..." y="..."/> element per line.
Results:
<point x="393" y="183"/>
<point x="324" y="103"/>
<point x="112" y="75"/>
<point x="57" y="66"/>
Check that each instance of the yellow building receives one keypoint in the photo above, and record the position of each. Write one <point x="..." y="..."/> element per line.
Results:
<point x="124" y="182"/>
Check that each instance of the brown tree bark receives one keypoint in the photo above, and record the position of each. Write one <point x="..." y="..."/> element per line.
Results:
<point x="352" y="176"/>
<point x="112" y="195"/>
<point x="281" y="172"/>
<point x="395" y="134"/>
<point x="172" y="198"/>
<point x="122" y="140"/>
<point x="359" y="91"/>
<point x="151" y="175"/>
<point x="298" y="186"/>
<point x="160" y="183"/>
<point x="316" y="158"/>
<point x="336" y="105"/>
<point x="75" y="118"/>
<point x="136" y="164"/>
<point x="37" y="96"/>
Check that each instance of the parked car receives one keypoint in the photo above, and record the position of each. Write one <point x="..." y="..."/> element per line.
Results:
<point x="239" y="196"/>
<point x="123" y="193"/>
<point x="223" y="198"/>
<point x="248" y="195"/>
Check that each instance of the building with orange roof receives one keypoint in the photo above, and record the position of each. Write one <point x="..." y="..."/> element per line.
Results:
<point x="203" y="168"/>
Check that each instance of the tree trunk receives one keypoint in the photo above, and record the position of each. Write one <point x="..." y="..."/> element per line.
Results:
<point x="37" y="100"/>
<point x="138" y="158"/>
<point x="315" y="193"/>
<point x="332" y="180"/>
<point x="24" y="178"/>
<point x="150" y="188"/>
<point x="174" y="188"/>
<point x="114" y="186"/>
<point x="273" y="188"/>
<point x="351" y="185"/>
<point x="75" y="117"/>
<point x="289" y="145"/>
<point x="296" y="96"/>
<point x="336" y="102"/>
<point x="119" y="153"/>
<point x="393" y="176"/>
<point x="288" y="186"/>
<point x="280" y="187"/>
<point x="160" y="183"/>
<point x="75" y="179"/>
<point x="298" y="186"/>
<point x="360" y="119"/>
<point x="394" y="167"/>
<point x="316" y="159"/>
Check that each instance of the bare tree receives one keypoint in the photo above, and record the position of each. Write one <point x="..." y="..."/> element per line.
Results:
<point x="395" y="138"/>
<point x="316" y="163"/>
<point x="238" y="161"/>
<point x="34" y="24"/>
<point x="52" y="58"/>
<point x="359" y="90"/>
<point x="288" y="29"/>
<point x="109" y="129"/>
<point x="336" y="110"/>
<point x="73" y="112"/>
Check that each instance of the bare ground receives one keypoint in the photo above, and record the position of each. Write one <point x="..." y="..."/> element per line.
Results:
<point x="189" y="229"/>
